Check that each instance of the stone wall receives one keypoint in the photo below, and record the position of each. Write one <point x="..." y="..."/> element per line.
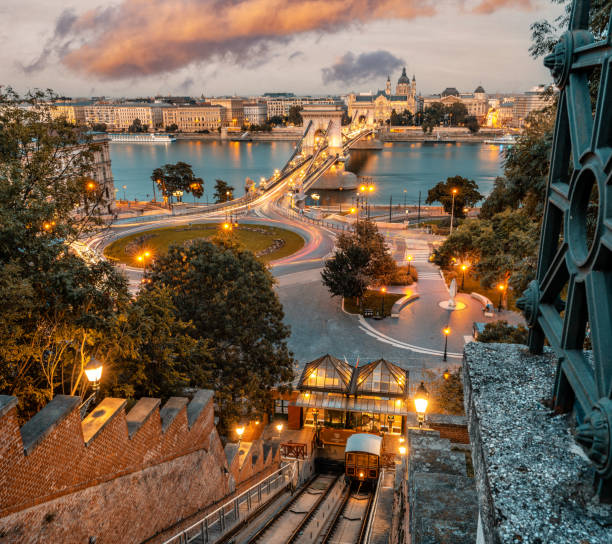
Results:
<point x="534" y="482"/>
<point x="113" y="476"/>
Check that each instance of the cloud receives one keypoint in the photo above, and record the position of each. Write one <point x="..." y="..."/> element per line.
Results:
<point x="295" y="55"/>
<point x="485" y="7"/>
<point x="144" y="37"/>
<point x="351" y="69"/>
<point x="186" y="85"/>
<point x="138" y="38"/>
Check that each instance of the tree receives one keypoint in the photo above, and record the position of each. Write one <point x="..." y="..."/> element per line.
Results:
<point x="501" y="332"/>
<point x="57" y="307"/>
<point x="381" y="266"/>
<point x="435" y="113"/>
<point x="137" y="126"/>
<point x="502" y="249"/>
<point x="295" y="117"/>
<point x="467" y="194"/>
<point x="172" y="128"/>
<point x="99" y="127"/>
<point x="156" y="355"/>
<point x="276" y="120"/>
<point x="223" y="191"/>
<point x="177" y="177"/>
<point x="472" y="124"/>
<point x="227" y="296"/>
<point x="346" y="119"/>
<point x="456" y="113"/>
<point x="346" y="273"/>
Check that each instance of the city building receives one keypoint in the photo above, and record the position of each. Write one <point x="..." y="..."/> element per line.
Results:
<point x="194" y="118"/>
<point x="233" y="111"/>
<point x="529" y="101"/>
<point x="255" y="113"/>
<point x="279" y="104"/>
<point x="368" y="398"/>
<point x="121" y="116"/>
<point x="476" y="103"/>
<point x="377" y="108"/>
<point x="73" y="112"/>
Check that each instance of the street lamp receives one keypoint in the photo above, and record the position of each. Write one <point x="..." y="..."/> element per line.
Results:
<point x="446" y="331"/>
<point x="383" y="290"/>
<point x="463" y="269"/>
<point x="446" y="374"/>
<point x="501" y="288"/>
<point x="409" y="259"/>
<point x="279" y="428"/>
<point x="420" y="403"/>
<point x="239" y="432"/>
<point x="93" y="371"/>
<point x="454" y="191"/>
<point x="402" y="450"/>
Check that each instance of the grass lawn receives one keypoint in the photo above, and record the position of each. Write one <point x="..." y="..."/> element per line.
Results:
<point x="373" y="300"/>
<point x="473" y="285"/>
<point x="253" y="237"/>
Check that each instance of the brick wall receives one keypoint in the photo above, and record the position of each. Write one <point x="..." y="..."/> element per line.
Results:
<point x="114" y="476"/>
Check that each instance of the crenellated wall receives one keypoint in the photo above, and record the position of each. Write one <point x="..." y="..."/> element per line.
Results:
<point x="114" y="476"/>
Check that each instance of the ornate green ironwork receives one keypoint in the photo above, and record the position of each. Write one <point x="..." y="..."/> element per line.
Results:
<point x="575" y="257"/>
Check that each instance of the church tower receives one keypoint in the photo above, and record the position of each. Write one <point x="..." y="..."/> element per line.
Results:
<point x="388" y="87"/>
<point x="403" y="85"/>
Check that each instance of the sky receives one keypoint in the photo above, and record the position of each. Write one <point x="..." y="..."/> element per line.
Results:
<point x="248" y="47"/>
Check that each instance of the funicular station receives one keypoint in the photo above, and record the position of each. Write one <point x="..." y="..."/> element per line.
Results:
<point x="334" y="400"/>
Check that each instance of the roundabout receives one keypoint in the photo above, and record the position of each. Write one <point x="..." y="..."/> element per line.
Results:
<point x="269" y="243"/>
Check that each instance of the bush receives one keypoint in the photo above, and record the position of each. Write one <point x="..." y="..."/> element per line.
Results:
<point x="502" y="332"/>
<point x="402" y="277"/>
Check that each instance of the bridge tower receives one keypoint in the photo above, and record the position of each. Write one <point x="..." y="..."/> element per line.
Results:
<point x="324" y="117"/>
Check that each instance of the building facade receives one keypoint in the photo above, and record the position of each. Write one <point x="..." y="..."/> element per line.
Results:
<point x="376" y="109"/>
<point x="233" y="111"/>
<point x="279" y="106"/>
<point x="194" y="118"/>
<point x="476" y="103"/>
<point x="121" y="116"/>
<point x="255" y="113"/>
<point x="525" y="103"/>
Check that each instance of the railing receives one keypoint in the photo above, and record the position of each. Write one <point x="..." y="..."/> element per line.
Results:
<point x="372" y="515"/>
<point x="305" y="219"/>
<point x="225" y="518"/>
<point x="294" y="450"/>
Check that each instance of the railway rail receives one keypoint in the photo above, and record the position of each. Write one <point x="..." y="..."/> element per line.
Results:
<point x="287" y="524"/>
<point x="350" y="522"/>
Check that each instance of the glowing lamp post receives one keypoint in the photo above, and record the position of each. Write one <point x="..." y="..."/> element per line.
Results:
<point x="240" y="432"/>
<point x="279" y="428"/>
<point x="463" y="269"/>
<point x="446" y="331"/>
<point x="93" y="371"/>
<point x="501" y="288"/>
<point x="383" y="290"/>
<point x="446" y="374"/>
<point x="409" y="259"/>
<point x="454" y="193"/>
<point x="402" y="450"/>
<point x="420" y="403"/>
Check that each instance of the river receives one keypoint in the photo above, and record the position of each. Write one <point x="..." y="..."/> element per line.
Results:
<point x="400" y="170"/>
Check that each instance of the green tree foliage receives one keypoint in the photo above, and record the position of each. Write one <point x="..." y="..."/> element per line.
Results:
<point x="381" y="266"/>
<point x="472" y="124"/>
<point x="226" y="295"/>
<point x="467" y="194"/>
<point x="99" y="127"/>
<point x="57" y="307"/>
<point x="346" y="273"/>
<point x="501" y="249"/>
<point x="223" y="191"/>
<point x="526" y="167"/>
<point x="172" y="128"/>
<point x="137" y="126"/>
<point x="446" y="395"/>
<point x="455" y="114"/>
<point x="177" y="177"/>
<point x="276" y="120"/>
<point x="295" y="117"/>
<point x="501" y="332"/>
<point x="156" y="354"/>
<point x="403" y="119"/>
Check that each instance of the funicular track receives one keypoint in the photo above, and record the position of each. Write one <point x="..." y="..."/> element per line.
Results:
<point x="350" y="522"/>
<point x="287" y="524"/>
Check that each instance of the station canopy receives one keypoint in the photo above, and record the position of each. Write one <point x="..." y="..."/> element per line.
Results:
<point x="333" y="384"/>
